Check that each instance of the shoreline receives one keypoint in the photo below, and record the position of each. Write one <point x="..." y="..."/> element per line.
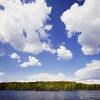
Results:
<point x="48" y="86"/>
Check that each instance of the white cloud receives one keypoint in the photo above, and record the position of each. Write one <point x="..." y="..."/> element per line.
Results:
<point x="58" y="77"/>
<point x="1" y="74"/>
<point x="91" y="81"/>
<point x="19" y="60"/>
<point x="48" y="27"/>
<point x="64" y="54"/>
<point x="47" y="48"/>
<point x="32" y="62"/>
<point x="2" y="53"/>
<point x="15" y="56"/>
<point x="24" y="26"/>
<point x="84" y="19"/>
<point x="90" y="72"/>
<point x="48" y="77"/>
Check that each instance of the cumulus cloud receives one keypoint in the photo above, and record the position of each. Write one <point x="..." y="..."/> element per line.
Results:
<point x="32" y="62"/>
<point x="15" y="56"/>
<point x="64" y="54"/>
<point x="90" y="72"/>
<point x="48" y="77"/>
<point x="90" y="81"/>
<point x="24" y="26"/>
<point x="84" y="19"/>
<point x="57" y="77"/>
<point x="48" y="27"/>
<point x="19" y="60"/>
<point x="47" y="48"/>
<point x="2" y="53"/>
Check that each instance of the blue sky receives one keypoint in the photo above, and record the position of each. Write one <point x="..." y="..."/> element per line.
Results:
<point x="50" y="40"/>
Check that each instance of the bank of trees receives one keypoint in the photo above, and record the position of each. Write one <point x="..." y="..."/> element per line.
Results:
<point x="48" y="86"/>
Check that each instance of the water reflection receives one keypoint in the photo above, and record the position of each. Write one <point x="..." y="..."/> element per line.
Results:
<point x="49" y="95"/>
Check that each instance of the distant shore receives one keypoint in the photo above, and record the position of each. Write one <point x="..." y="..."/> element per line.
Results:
<point x="48" y="86"/>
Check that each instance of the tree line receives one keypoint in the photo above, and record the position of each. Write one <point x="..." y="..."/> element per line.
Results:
<point x="48" y="86"/>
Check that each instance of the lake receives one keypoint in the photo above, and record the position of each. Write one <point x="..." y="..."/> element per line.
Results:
<point x="49" y="95"/>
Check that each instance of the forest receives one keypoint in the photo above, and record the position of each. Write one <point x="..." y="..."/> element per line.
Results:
<point x="48" y="86"/>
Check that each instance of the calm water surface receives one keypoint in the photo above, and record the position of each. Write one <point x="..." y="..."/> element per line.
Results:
<point x="49" y="95"/>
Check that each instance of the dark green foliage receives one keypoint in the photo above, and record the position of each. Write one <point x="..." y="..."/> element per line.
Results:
<point x="48" y="86"/>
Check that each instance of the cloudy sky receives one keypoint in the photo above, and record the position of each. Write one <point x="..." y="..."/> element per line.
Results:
<point x="50" y="40"/>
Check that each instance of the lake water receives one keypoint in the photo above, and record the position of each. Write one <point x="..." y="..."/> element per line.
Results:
<point x="49" y="95"/>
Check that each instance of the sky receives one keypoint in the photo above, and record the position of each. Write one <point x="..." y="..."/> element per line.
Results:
<point x="50" y="40"/>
